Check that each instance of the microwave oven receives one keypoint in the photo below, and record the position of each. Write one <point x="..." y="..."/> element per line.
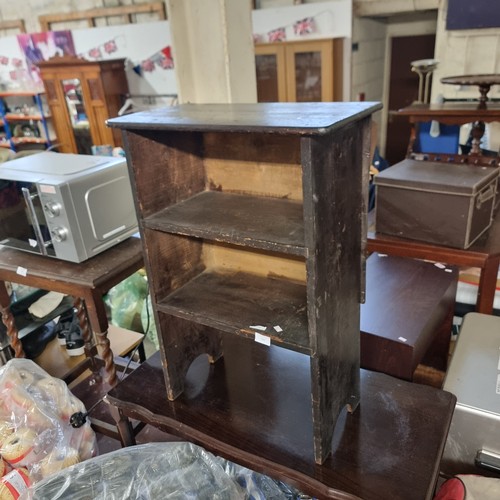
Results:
<point x="66" y="206"/>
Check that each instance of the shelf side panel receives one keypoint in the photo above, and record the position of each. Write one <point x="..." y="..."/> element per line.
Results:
<point x="165" y="168"/>
<point x="334" y="207"/>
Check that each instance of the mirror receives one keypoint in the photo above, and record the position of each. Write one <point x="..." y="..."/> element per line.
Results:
<point x="79" y="121"/>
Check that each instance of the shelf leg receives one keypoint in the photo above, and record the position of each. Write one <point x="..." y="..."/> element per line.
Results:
<point x="8" y="321"/>
<point x="183" y="341"/>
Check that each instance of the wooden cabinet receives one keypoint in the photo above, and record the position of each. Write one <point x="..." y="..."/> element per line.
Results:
<point x="308" y="71"/>
<point x="25" y="120"/>
<point x="82" y="95"/>
<point x="252" y="220"/>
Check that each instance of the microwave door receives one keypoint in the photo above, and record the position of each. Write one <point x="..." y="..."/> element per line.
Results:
<point x="22" y="221"/>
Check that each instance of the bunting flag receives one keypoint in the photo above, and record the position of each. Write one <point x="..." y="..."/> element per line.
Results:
<point x="162" y="59"/>
<point x="301" y="27"/>
<point x="95" y="53"/>
<point x="17" y="63"/>
<point x="108" y="47"/>
<point x="304" y="26"/>
<point x="277" y="35"/>
<point x="4" y="60"/>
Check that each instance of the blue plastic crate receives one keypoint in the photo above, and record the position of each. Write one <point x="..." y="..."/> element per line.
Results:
<point x="446" y="142"/>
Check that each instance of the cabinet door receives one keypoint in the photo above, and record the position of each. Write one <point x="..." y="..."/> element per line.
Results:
<point x="270" y="72"/>
<point x="60" y="117"/>
<point x="309" y="67"/>
<point x="95" y="105"/>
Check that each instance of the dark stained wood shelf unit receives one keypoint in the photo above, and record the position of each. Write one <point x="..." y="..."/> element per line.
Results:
<point x="245" y="221"/>
<point x="252" y="221"/>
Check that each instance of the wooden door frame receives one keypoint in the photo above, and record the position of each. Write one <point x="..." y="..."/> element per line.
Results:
<point x="417" y="28"/>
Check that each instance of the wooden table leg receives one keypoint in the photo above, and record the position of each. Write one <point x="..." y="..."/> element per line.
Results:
<point x="8" y="321"/>
<point x="124" y="426"/>
<point x="487" y="286"/>
<point x="90" y="348"/>
<point x="99" y="323"/>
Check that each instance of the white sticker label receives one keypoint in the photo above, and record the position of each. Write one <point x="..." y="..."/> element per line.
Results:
<point x="33" y="243"/>
<point x="498" y="384"/>
<point x="448" y="270"/>
<point x="262" y="339"/>
<point x="22" y="271"/>
<point x="259" y="327"/>
<point x="278" y="328"/>
<point x="44" y="188"/>
<point x="441" y="266"/>
<point x="402" y="339"/>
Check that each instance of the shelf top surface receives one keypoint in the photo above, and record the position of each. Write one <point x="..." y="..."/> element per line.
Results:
<point x="290" y="118"/>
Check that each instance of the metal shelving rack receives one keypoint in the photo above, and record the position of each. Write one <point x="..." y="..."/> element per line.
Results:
<point x="10" y="119"/>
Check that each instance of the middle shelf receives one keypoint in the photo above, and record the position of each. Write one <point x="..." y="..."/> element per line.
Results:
<point x="253" y="221"/>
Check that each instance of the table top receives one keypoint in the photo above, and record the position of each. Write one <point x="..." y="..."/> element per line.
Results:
<point x="253" y="407"/>
<point x="452" y="112"/>
<point x="105" y="269"/>
<point x="491" y="79"/>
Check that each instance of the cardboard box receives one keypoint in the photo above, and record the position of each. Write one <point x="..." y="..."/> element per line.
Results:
<point x="447" y="204"/>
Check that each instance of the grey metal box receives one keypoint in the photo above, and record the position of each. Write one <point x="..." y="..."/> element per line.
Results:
<point x="442" y="203"/>
<point x="474" y="377"/>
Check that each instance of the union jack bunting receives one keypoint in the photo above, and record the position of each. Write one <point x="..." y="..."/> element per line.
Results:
<point x="110" y="47"/>
<point x="167" y="61"/>
<point x="304" y="26"/>
<point x="95" y="53"/>
<point x="277" y="35"/>
<point x="148" y="65"/>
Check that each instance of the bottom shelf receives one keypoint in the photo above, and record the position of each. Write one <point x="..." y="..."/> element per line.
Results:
<point x="234" y="302"/>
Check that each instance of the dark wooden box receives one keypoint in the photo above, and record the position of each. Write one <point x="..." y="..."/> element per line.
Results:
<point x="443" y="203"/>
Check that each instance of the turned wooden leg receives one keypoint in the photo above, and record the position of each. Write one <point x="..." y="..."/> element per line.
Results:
<point x="99" y="322"/>
<point x="90" y="349"/>
<point x="8" y="321"/>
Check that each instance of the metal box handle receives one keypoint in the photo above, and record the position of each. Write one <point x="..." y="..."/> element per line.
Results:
<point x="485" y="195"/>
<point x="488" y="460"/>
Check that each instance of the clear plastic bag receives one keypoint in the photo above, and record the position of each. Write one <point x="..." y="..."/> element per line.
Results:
<point x="125" y="301"/>
<point x="35" y="431"/>
<point x="163" y="471"/>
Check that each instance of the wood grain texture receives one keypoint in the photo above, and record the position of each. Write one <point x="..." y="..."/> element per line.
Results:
<point x="274" y="118"/>
<point x="253" y="407"/>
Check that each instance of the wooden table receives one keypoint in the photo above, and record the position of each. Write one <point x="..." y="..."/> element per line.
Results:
<point x="87" y="282"/>
<point x="451" y="113"/>
<point x="253" y="407"/>
<point x="484" y="254"/>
